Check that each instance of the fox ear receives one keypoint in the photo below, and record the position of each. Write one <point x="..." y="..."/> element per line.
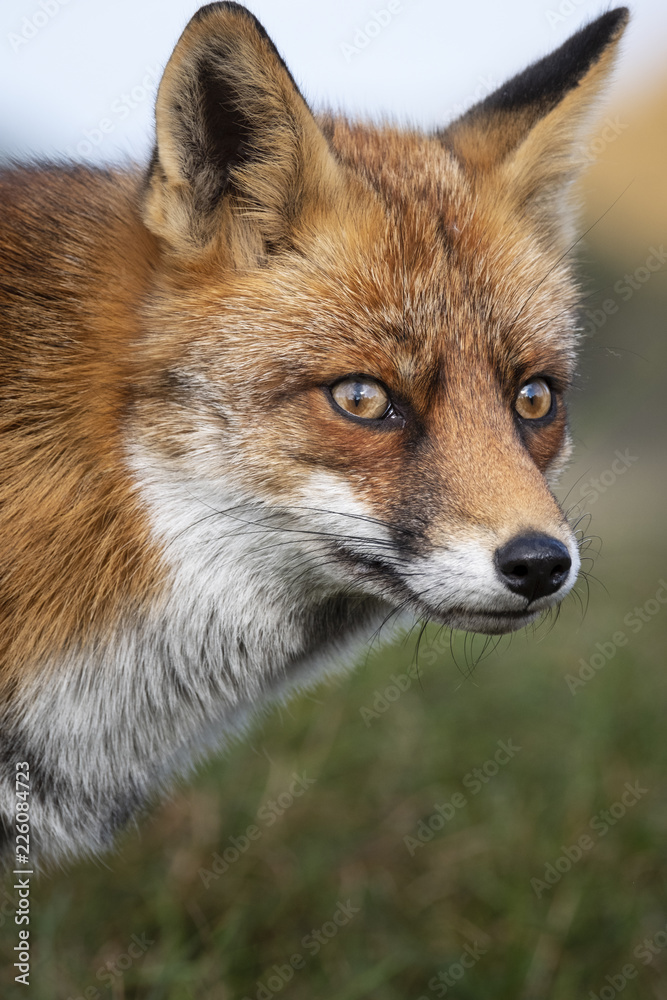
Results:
<point x="530" y="133"/>
<point x="238" y="155"/>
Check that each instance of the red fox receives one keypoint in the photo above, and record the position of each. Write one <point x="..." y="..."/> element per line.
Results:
<point x="297" y="376"/>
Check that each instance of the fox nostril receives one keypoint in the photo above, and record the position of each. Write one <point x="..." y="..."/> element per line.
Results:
<point x="533" y="565"/>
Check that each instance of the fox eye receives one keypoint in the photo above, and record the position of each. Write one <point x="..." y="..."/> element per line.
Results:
<point x="534" y="400"/>
<point x="361" y="398"/>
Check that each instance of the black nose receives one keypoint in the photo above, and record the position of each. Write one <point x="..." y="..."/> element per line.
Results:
<point x="533" y="565"/>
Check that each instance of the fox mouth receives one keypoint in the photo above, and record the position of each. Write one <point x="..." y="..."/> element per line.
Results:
<point x="394" y="590"/>
<point x="485" y="621"/>
<point x="488" y="622"/>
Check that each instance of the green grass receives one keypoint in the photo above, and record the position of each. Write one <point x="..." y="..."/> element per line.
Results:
<point x="343" y="840"/>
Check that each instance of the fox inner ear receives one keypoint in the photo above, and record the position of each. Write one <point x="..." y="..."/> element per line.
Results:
<point x="530" y="132"/>
<point x="234" y="139"/>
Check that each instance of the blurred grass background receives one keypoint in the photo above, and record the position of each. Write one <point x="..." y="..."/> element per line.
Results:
<point x="376" y="778"/>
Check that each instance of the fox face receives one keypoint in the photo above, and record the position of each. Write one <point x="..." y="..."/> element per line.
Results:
<point x="304" y="375"/>
<point x="390" y="356"/>
<point x="394" y="437"/>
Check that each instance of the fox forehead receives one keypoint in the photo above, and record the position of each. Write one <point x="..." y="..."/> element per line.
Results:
<point x="414" y="277"/>
<point x="413" y="271"/>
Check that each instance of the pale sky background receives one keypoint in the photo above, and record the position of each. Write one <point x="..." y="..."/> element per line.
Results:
<point x="65" y="67"/>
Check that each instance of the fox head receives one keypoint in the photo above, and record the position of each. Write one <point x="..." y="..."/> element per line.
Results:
<point x="360" y="339"/>
<point x="301" y="375"/>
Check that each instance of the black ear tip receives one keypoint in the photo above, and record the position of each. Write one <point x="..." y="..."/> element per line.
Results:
<point x="588" y="44"/>
<point x="619" y="17"/>
<point x="608" y="26"/>
<point x="547" y="81"/>
<point x="214" y="8"/>
<point x="237" y="11"/>
<point x="590" y="41"/>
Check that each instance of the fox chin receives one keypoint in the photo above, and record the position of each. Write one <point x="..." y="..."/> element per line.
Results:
<point x="297" y="374"/>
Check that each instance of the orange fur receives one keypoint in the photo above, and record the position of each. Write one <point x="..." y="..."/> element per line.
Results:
<point x="77" y="356"/>
<point x="181" y="329"/>
<point x="75" y="549"/>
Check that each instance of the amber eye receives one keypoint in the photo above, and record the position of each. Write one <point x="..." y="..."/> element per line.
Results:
<point x="361" y="399"/>
<point x="534" y="400"/>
